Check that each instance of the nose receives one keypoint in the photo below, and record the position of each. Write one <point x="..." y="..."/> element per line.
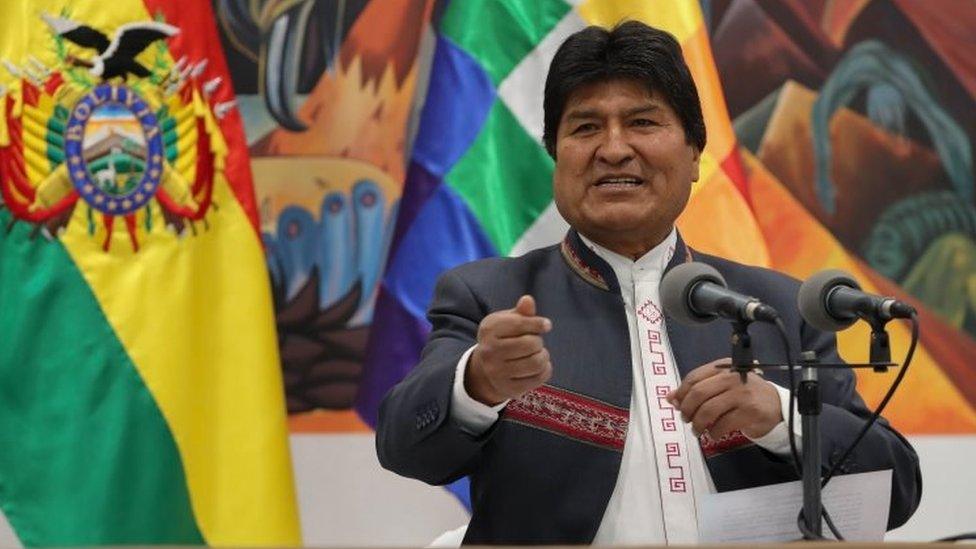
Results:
<point x="614" y="150"/>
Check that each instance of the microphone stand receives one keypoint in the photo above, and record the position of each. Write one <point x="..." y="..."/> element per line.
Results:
<point x="880" y="349"/>
<point x="809" y="405"/>
<point x="743" y="359"/>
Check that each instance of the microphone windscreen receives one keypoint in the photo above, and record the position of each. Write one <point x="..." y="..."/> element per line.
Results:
<point x="676" y="287"/>
<point x="812" y="299"/>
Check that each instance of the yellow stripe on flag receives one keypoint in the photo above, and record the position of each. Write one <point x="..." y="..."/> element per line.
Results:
<point x="682" y="18"/>
<point x="195" y="316"/>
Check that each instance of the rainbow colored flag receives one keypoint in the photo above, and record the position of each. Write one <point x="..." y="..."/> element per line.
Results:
<point x="140" y="392"/>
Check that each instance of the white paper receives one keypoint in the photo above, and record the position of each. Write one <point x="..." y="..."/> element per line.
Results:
<point x="858" y="505"/>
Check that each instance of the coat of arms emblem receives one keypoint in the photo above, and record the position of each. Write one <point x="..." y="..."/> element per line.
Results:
<point x="116" y="127"/>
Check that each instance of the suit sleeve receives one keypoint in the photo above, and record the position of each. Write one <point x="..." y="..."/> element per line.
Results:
<point x="415" y="436"/>
<point x="844" y="415"/>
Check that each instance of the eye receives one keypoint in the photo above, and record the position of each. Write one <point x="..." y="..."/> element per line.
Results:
<point x="643" y="122"/>
<point x="585" y="128"/>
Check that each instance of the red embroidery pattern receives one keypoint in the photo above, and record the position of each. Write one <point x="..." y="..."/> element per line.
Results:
<point x="572" y="415"/>
<point x="588" y="273"/>
<point x="667" y="411"/>
<point x="650" y="312"/>
<point x="657" y="355"/>
<point x="711" y="447"/>
<point x="676" y="481"/>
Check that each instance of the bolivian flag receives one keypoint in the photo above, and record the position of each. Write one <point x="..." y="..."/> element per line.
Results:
<point x="140" y="396"/>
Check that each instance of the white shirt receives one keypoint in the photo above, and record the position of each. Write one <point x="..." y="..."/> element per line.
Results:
<point x="635" y="514"/>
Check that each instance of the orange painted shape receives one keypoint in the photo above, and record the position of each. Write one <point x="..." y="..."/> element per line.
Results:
<point x="321" y="421"/>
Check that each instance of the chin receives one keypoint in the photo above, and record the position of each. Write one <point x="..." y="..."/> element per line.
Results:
<point x="621" y="219"/>
<point x="613" y="225"/>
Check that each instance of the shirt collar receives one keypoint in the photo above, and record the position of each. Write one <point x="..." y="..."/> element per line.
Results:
<point x="649" y="266"/>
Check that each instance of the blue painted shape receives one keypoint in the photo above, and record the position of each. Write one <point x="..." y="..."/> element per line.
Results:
<point x="336" y="251"/>
<point x="297" y="238"/>
<point x="272" y="257"/>
<point x="364" y="315"/>
<point x="459" y="96"/>
<point x="369" y="206"/>
<point x="444" y="234"/>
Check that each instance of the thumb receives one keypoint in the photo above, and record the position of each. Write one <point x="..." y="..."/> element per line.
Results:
<point x="525" y="306"/>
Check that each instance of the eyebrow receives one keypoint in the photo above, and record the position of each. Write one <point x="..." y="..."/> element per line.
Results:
<point x="587" y="114"/>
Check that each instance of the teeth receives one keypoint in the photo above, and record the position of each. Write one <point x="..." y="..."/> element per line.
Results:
<point x="620" y="180"/>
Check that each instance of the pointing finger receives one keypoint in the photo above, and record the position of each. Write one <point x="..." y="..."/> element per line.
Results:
<point x="525" y="306"/>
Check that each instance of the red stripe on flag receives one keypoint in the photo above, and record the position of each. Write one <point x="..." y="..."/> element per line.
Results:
<point x="198" y="39"/>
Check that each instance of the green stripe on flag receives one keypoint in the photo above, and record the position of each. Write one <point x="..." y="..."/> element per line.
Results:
<point x="505" y="178"/>
<point x="499" y="33"/>
<point x="87" y="458"/>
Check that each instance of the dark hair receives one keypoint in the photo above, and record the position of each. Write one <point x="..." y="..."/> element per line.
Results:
<point x="630" y="50"/>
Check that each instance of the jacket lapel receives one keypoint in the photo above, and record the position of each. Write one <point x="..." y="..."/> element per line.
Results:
<point x="587" y="265"/>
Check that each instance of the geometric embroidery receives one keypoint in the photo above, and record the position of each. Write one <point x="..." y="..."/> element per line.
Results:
<point x="650" y="312"/>
<point x="667" y="411"/>
<point x="731" y="441"/>
<point x="676" y="480"/>
<point x="571" y="415"/>
<point x="656" y="353"/>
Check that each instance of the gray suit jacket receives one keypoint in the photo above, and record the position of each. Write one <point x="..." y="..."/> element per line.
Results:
<point x="545" y="471"/>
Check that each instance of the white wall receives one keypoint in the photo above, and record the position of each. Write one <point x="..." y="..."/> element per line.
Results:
<point x="948" y="489"/>
<point x="346" y="498"/>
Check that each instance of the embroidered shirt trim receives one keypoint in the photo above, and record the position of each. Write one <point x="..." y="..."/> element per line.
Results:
<point x="586" y="272"/>
<point x="571" y="415"/>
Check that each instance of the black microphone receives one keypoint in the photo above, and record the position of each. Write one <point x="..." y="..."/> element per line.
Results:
<point x="695" y="293"/>
<point x="832" y="300"/>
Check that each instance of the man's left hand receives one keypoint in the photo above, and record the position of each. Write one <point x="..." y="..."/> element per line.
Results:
<point x="716" y="400"/>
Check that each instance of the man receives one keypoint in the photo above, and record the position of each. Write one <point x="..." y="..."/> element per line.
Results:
<point x="581" y="413"/>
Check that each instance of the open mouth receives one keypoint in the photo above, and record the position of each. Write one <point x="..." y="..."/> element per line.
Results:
<point x="619" y="182"/>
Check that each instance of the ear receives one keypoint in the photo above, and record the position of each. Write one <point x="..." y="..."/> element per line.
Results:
<point x="695" y="163"/>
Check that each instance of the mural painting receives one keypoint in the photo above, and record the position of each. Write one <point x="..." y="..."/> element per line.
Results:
<point x="862" y="111"/>
<point x="327" y="89"/>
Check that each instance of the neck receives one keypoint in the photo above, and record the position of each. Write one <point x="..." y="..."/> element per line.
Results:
<point x="634" y="248"/>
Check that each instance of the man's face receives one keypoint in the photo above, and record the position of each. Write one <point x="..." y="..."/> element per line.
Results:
<point x="623" y="165"/>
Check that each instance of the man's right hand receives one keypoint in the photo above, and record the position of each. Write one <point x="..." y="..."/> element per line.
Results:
<point x="510" y="359"/>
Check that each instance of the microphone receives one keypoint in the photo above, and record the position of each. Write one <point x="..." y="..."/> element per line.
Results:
<point x="695" y="293"/>
<point x="832" y="300"/>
